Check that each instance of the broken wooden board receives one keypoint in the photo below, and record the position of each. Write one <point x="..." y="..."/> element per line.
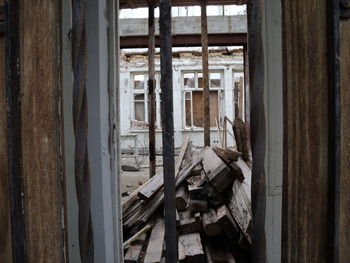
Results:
<point x="189" y="223"/>
<point x="227" y="222"/>
<point x="211" y="225"/>
<point x="240" y="133"/>
<point x="240" y="202"/>
<point x="218" y="251"/>
<point x="198" y="205"/>
<point x="218" y="174"/>
<point x="155" y="244"/>
<point x="156" y="182"/>
<point x="190" y="248"/>
<point x="133" y="253"/>
<point x="181" y="198"/>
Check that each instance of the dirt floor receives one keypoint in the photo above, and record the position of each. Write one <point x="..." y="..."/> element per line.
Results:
<point x="130" y="180"/>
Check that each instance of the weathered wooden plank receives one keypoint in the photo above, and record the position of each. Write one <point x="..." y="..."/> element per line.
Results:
<point x="198" y="205"/>
<point x="189" y="223"/>
<point x="227" y="222"/>
<point x="181" y="198"/>
<point x="216" y="170"/>
<point x="155" y="245"/>
<point x="40" y="86"/>
<point x="345" y="141"/>
<point x="5" y="228"/>
<point x="218" y="251"/>
<point x="191" y="246"/>
<point x="156" y="182"/>
<point x="133" y="253"/>
<point x="210" y="223"/>
<point x="305" y="131"/>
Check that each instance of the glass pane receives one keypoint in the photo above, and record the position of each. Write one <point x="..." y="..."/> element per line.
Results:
<point x="139" y="97"/>
<point x="214" y="107"/>
<point x="139" y="111"/>
<point x="215" y="80"/>
<point x="200" y="80"/>
<point x="189" y="80"/>
<point x="188" y="113"/>
<point x="139" y="81"/>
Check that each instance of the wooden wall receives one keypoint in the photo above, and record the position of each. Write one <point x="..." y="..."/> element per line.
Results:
<point x="5" y="228"/>
<point x="40" y="85"/>
<point x="345" y="141"/>
<point x="306" y="131"/>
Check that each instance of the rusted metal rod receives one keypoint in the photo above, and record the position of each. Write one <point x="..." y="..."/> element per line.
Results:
<point x="151" y="92"/>
<point x="206" y="105"/>
<point x="168" y="130"/>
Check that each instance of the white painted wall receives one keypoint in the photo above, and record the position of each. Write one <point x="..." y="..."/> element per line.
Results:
<point x="132" y="63"/>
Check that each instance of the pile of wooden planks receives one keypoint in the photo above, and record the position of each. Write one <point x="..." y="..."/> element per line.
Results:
<point x="214" y="220"/>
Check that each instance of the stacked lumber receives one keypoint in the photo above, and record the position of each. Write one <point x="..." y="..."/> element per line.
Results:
<point x="214" y="220"/>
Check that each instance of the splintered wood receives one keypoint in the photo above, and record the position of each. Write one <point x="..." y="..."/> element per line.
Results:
<point x="213" y="203"/>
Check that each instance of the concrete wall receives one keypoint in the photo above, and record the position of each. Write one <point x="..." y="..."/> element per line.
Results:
<point x="231" y="66"/>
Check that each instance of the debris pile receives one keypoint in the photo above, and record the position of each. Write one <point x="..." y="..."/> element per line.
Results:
<point x="214" y="220"/>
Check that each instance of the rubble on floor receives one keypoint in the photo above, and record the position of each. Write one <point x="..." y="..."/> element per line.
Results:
<point x="214" y="218"/>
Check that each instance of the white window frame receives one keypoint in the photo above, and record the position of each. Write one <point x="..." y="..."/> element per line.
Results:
<point x="185" y="89"/>
<point x="144" y="91"/>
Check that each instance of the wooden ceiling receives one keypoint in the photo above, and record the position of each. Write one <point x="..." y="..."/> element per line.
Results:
<point x="145" y="3"/>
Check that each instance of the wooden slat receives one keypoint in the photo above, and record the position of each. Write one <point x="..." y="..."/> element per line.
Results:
<point x="306" y="132"/>
<point x="151" y="188"/>
<point x="156" y="241"/>
<point x="345" y="141"/>
<point x="191" y="248"/>
<point x="5" y="229"/>
<point x="40" y="83"/>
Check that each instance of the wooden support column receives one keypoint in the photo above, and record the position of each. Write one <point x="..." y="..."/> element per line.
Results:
<point x="344" y="242"/>
<point x="306" y="132"/>
<point x="168" y="130"/>
<point x="40" y="126"/>
<point x="151" y="91"/>
<point x="205" y="66"/>
<point x="5" y="223"/>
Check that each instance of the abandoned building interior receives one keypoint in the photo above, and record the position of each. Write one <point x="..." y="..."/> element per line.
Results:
<point x="174" y="131"/>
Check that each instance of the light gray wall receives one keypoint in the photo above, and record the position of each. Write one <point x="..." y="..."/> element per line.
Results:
<point x="186" y="25"/>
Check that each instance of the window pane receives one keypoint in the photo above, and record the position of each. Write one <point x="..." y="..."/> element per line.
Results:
<point x="139" y="111"/>
<point x="189" y="80"/>
<point x="200" y="80"/>
<point x="214" y="108"/>
<point x="215" y="80"/>
<point x="188" y="109"/>
<point x="139" y="97"/>
<point x="139" y="81"/>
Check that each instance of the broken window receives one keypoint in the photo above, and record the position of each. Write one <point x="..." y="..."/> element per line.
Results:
<point x="193" y="98"/>
<point x="140" y="101"/>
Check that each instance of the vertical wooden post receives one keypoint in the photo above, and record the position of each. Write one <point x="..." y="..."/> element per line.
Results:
<point x="5" y="225"/>
<point x="151" y="91"/>
<point x="40" y="127"/>
<point x="345" y="141"/>
<point x="168" y="130"/>
<point x="206" y="105"/>
<point x="14" y="140"/>
<point x="306" y="148"/>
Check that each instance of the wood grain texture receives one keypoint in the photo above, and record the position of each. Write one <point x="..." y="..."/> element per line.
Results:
<point x="305" y="183"/>
<point x="40" y="84"/>
<point x="5" y="228"/>
<point x="345" y="141"/>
